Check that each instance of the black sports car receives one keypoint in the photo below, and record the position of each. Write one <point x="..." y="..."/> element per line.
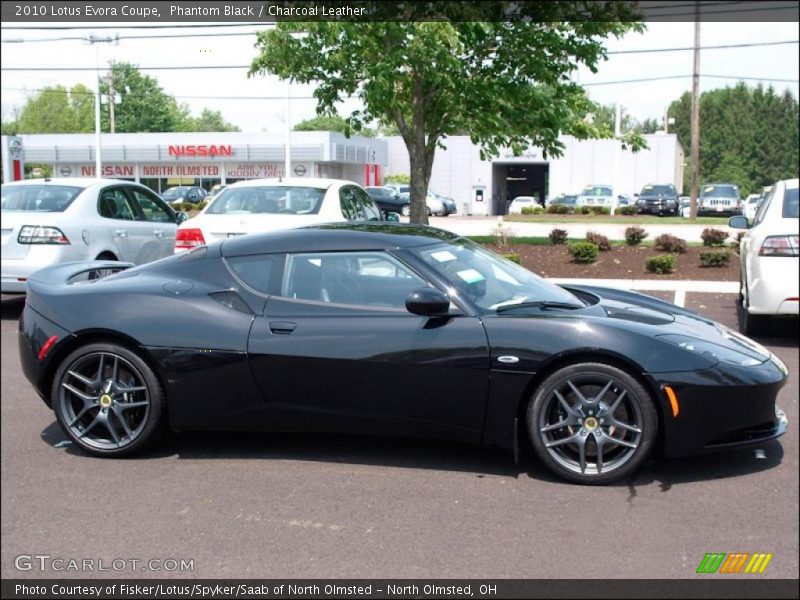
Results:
<point x="388" y="329"/>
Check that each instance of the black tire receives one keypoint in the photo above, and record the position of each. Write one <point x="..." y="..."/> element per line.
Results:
<point x="616" y="461"/>
<point x="108" y="419"/>
<point x="405" y="210"/>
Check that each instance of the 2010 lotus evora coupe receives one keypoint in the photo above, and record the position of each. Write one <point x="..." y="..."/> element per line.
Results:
<point x="388" y="329"/>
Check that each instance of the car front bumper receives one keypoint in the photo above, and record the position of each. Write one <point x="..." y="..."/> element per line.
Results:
<point x="724" y="407"/>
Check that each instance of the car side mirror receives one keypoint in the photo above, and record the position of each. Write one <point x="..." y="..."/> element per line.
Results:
<point x="739" y="222"/>
<point x="393" y="217"/>
<point x="427" y="302"/>
<point x="181" y="217"/>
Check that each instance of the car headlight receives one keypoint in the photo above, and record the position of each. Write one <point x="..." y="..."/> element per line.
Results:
<point x="713" y="352"/>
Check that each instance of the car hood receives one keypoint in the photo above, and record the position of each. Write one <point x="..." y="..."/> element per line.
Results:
<point x="653" y="317"/>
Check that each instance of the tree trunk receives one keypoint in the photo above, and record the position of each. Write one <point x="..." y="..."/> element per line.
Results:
<point x="419" y="185"/>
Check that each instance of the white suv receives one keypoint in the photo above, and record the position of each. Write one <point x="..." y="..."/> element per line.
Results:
<point x="770" y="258"/>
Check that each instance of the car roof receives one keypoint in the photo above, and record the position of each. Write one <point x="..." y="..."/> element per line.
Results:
<point x="331" y="237"/>
<point x="82" y="182"/>
<point x="791" y="184"/>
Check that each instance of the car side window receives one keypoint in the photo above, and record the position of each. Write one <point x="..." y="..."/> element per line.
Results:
<point x="114" y="204"/>
<point x="259" y="271"/>
<point x="153" y="208"/>
<point x="762" y="209"/>
<point x="348" y="203"/>
<point x="371" y="279"/>
<point x="367" y="208"/>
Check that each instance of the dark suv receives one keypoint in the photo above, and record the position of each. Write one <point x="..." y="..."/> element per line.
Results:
<point x="659" y="200"/>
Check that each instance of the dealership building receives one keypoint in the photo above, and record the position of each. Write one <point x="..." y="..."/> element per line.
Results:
<point x="479" y="186"/>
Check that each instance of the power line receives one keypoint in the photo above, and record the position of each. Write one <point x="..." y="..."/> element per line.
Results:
<point x="136" y="37"/>
<point x="687" y="76"/>
<point x="173" y="68"/>
<point x="748" y="45"/>
<point x="90" y="93"/>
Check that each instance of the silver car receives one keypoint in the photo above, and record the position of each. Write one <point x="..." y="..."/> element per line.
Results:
<point x="50" y="221"/>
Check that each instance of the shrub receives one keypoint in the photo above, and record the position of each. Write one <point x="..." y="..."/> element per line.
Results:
<point x="201" y="205"/>
<point x="670" y="243"/>
<point x="527" y="210"/>
<point x="558" y="209"/>
<point x="627" y="210"/>
<point x="583" y="252"/>
<point x="715" y="259"/>
<point x="598" y="240"/>
<point x="537" y="210"/>
<point x="558" y="236"/>
<point x="598" y="210"/>
<point x="634" y="235"/>
<point x="714" y="237"/>
<point x="583" y="210"/>
<point x="513" y="257"/>
<point x="183" y="206"/>
<point x="663" y="263"/>
<point x="734" y="244"/>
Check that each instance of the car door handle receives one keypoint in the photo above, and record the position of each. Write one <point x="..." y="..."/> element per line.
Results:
<point x="282" y="327"/>
<point x="158" y="233"/>
<point x="121" y="233"/>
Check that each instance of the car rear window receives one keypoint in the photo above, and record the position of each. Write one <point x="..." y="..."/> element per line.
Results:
<point x="790" y="206"/>
<point x="720" y="191"/>
<point x="286" y="199"/>
<point x="38" y="198"/>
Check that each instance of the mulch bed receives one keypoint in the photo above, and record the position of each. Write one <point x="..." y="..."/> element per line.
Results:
<point x="622" y="262"/>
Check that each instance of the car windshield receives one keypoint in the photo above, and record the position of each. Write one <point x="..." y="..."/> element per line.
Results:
<point x="38" y="198"/>
<point x="720" y="191"/>
<point x="284" y="199"/>
<point x="597" y="190"/>
<point x="176" y="192"/>
<point x="491" y="282"/>
<point x="658" y="190"/>
<point x="790" y="204"/>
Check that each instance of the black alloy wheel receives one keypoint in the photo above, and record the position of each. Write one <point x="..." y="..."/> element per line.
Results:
<point x="592" y="423"/>
<point x="108" y="400"/>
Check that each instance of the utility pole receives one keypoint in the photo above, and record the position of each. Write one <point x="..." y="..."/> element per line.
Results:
<point x="695" y="152"/>
<point x="110" y="80"/>
<point x="94" y="40"/>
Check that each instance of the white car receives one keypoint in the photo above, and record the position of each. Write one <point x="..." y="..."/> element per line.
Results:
<point x="259" y="205"/>
<point x="597" y="195"/>
<point x="51" y="221"/>
<point x="770" y="258"/>
<point x="750" y="206"/>
<point x="520" y="202"/>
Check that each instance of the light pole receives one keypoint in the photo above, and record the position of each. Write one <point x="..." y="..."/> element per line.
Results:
<point x="95" y="40"/>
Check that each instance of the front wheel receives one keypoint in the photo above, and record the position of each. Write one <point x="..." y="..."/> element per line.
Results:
<point x="592" y="423"/>
<point x="405" y="210"/>
<point x="108" y="400"/>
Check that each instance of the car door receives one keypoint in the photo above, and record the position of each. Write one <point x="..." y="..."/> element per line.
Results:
<point x="160" y="217"/>
<point x="337" y="350"/>
<point x="132" y="236"/>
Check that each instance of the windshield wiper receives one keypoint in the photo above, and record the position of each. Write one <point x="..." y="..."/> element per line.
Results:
<point x="539" y="304"/>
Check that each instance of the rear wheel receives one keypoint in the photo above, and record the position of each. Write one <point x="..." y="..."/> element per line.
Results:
<point x="108" y="400"/>
<point x="405" y="210"/>
<point x="752" y="325"/>
<point x="592" y="423"/>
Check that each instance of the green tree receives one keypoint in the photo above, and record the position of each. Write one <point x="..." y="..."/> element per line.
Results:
<point x="81" y="100"/>
<point x="143" y="105"/>
<point x="52" y="110"/>
<point x="209" y="120"/>
<point x="508" y="84"/>
<point x="651" y="126"/>
<point x="748" y="135"/>
<point x="605" y="115"/>
<point x="334" y="122"/>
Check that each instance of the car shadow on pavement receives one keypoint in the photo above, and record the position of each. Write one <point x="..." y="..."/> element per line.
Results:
<point x="11" y="307"/>
<point x="431" y="455"/>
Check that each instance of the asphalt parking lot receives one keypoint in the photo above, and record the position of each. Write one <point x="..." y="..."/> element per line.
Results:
<point x="263" y="505"/>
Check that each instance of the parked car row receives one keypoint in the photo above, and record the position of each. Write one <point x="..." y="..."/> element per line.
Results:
<point x="397" y="197"/>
